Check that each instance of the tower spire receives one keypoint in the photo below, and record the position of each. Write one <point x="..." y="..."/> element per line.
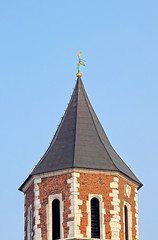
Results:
<point x="80" y="142"/>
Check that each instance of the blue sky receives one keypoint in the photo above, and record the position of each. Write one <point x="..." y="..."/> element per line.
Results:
<point x="38" y="63"/>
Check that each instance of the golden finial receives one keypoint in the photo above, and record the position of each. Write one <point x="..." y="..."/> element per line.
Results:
<point x="79" y="54"/>
<point x="79" y="74"/>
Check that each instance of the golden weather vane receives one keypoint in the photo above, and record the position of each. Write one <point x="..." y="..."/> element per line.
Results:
<point x="80" y="62"/>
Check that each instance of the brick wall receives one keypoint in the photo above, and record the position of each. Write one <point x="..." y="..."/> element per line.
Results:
<point x="115" y="191"/>
<point x="100" y="184"/>
<point x="50" y="186"/>
<point x="29" y="200"/>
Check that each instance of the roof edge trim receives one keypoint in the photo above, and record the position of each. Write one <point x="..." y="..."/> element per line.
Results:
<point x="31" y="178"/>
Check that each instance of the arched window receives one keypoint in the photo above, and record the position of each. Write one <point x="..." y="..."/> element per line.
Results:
<point x="126" y="222"/>
<point x="56" y="219"/>
<point x="95" y="219"/>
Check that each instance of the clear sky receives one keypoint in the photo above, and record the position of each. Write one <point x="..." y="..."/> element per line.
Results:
<point x="38" y="65"/>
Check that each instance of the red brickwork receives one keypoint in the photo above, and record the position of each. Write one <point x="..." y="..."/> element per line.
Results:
<point x="29" y="200"/>
<point x="129" y="200"/>
<point x="50" y="186"/>
<point x="90" y="183"/>
<point x="95" y="184"/>
<point x="100" y="184"/>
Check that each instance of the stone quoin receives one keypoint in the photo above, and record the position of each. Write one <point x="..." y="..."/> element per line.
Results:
<point x="81" y="188"/>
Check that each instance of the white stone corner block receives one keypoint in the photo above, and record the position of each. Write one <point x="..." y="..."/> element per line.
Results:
<point x="114" y="185"/>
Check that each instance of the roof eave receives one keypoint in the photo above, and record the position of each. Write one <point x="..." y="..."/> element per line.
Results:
<point x="21" y="188"/>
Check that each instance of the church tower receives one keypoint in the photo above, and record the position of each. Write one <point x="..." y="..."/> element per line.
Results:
<point x="81" y="188"/>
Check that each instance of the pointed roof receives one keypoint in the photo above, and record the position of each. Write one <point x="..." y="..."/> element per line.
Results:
<point x="80" y="141"/>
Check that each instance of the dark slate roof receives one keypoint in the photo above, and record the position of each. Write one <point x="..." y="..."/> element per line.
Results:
<point x="80" y="141"/>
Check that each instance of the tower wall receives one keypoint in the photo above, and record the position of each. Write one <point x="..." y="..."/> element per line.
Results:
<point x="28" y="203"/>
<point x="40" y="194"/>
<point x="75" y="189"/>
<point x="114" y="192"/>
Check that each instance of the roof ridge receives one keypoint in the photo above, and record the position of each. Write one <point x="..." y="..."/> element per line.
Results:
<point x="74" y="145"/>
<point x="85" y="96"/>
<point x="117" y="168"/>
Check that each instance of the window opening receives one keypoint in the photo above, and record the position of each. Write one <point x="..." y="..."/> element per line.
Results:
<point x="95" y="220"/>
<point x="56" y="219"/>
<point x="29" y="224"/>
<point x="126" y="222"/>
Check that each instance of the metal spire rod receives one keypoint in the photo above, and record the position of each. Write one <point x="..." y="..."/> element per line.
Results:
<point x="80" y="62"/>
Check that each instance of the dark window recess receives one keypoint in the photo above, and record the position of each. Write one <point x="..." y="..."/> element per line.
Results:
<point x="95" y="221"/>
<point x="30" y="223"/>
<point x="126" y="222"/>
<point x="56" y="219"/>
